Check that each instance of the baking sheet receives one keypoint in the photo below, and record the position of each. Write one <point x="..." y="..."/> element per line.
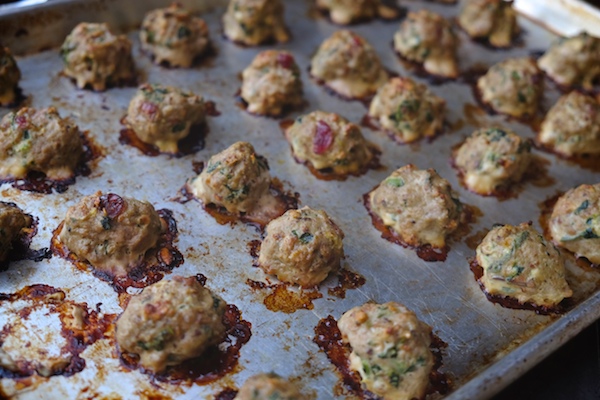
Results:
<point x="488" y="346"/>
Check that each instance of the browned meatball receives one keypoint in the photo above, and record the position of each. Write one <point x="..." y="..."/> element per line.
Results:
<point x="171" y="321"/>
<point x="346" y="12"/>
<point x="349" y="65"/>
<point x="408" y="110"/>
<point x="94" y="56"/>
<point x="494" y="20"/>
<point x="163" y="115"/>
<point x="254" y="22"/>
<point x="519" y="263"/>
<point x="269" y="387"/>
<point x="492" y="158"/>
<point x="427" y="38"/>
<point x="271" y="83"/>
<point x="575" y="222"/>
<point x="302" y="247"/>
<point x="13" y="225"/>
<point x="110" y="232"/>
<point x="329" y="143"/>
<point x="418" y="205"/>
<point x="513" y="87"/>
<point x="9" y="77"/>
<point x="572" y="126"/>
<point x="40" y="141"/>
<point x="390" y="349"/>
<point x="573" y="61"/>
<point x="174" y="36"/>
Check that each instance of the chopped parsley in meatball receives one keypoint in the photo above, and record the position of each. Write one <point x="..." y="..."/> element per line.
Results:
<point x="9" y="77"/>
<point x="93" y="56"/>
<point x="171" y="321"/>
<point x="493" y="20"/>
<point x="254" y="22"/>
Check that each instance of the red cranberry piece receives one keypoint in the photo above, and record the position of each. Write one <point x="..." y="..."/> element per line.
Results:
<point x="113" y="204"/>
<point x="323" y="138"/>
<point x="149" y="108"/>
<point x="285" y="60"/>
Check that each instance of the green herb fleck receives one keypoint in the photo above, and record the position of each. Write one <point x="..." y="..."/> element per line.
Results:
<point x="105" y="223"/>
<point x="183" y="31"/>
<point x="582" y="206"/>
<point x="586" y="234"/>
<point x="212" y="167"/>
<point x="305" y="237"/>
<point x="178" y="127"/>
<point x="395" y="182"/>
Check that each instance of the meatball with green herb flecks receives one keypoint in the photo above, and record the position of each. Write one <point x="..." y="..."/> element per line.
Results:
<point x="93" y="56"/>
<point x="39" y="141"/>
<point x="9" y="77"/>
<point x="174" y="36"/>
<point x="346" y="12"/>
<point x="575" y="222"/>
<point x="390" y="349"/>
<point x="254" y="22"/>
<point x="302" y="247"/>
<point x="518" y="263"/>
<point x="269" y="386"/>
<point x="494" y="20"/>
<point x="169" y="322"/>
<point x="492" y="158"/>
<point x="162" y="115"/>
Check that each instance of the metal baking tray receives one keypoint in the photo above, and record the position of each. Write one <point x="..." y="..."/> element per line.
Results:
<point x="488" y="346"/>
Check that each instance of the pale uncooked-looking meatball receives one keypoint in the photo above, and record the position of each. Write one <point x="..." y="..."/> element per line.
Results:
<point x="174" y="36"/>
<point x="254" y="22"/>
<point x="512" y="87"/>
<point x="572" y="126"/>
<point x="494" y="20"/>
<point x="13" y="224"/>
<point x="302" y="247"/>
<point x="349" y="65"/>
<point x="40" y="141"/>
<point x="269" y="386"/>
<point x="346" y="12"/>
<point x="235" y="179"/>
<point x="492" y="158"/>
<point x="329" y="143"/>
<point x="171" y="321"/>
<point x="9" y="77"/>
<point x="390" y="349"/>
<point x="519" y="263"/>
<point x="94" y="56"/>
<point x="418" y="205"/>
<point x="573" y="61"/>
<point x="163" y="115"/>
<point x="575" y="222"/>
<point x="408" y="110"/>
<point x="427" y="38"/>
<point x="111" y="232"/>
<point x="271" y="83"/>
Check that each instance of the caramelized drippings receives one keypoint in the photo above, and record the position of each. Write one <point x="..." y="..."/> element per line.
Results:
<point x="254" y="247"/>
<point x="329" y="339"/>
<point x="226" y="394"/>
<point x="214" y="363"/>
<point x="510" y="302"/>
<point x="158" y="261"/>
<point x="38" y="182"/>
<point x="475" y="116"/>
<point x="94" y="327"/>
<point x="474" y="240"/>
<point x="281" y="299"/>
<point x="346" y="280"/>
<point x="591" y="162"/>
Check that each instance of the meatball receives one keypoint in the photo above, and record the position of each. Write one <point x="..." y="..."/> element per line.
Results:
<point x="302" y="247"/>
<point x="254" y="22"/>
<point x="163" y="115"/>
<point x="572" y="126"/>
<point x="345" y="12"/>
<point x="329" y="143"/>
<point x="427" y="38"/>
<point x="174" y="36"/>
<point x="171" y="321"/>
<point x="9" y="77"/>
<point x="94" y="56"/>
<point x="271" y="83"/>
<point x="269" y="386"/>
<point x="519" y="263"/>
<point x="390" y="349"/>
<point x="492" y="158"/>
<point x="408" y="110"/>
<point x="40" y="141"/>
<point x="512" y="87"/>
<point x="575" y="222"/>
<point x="493" y="20"/>
<point x="349" y="65"/>
<point x="235" y="179"/>
<point x="110" y="232"/>
<point x="418" y="205"/>
<point x="573" y="61"/>
<point x="14" y="224"/>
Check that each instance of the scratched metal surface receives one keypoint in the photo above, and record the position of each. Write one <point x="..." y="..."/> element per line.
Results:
<point x="479" y="334"/>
